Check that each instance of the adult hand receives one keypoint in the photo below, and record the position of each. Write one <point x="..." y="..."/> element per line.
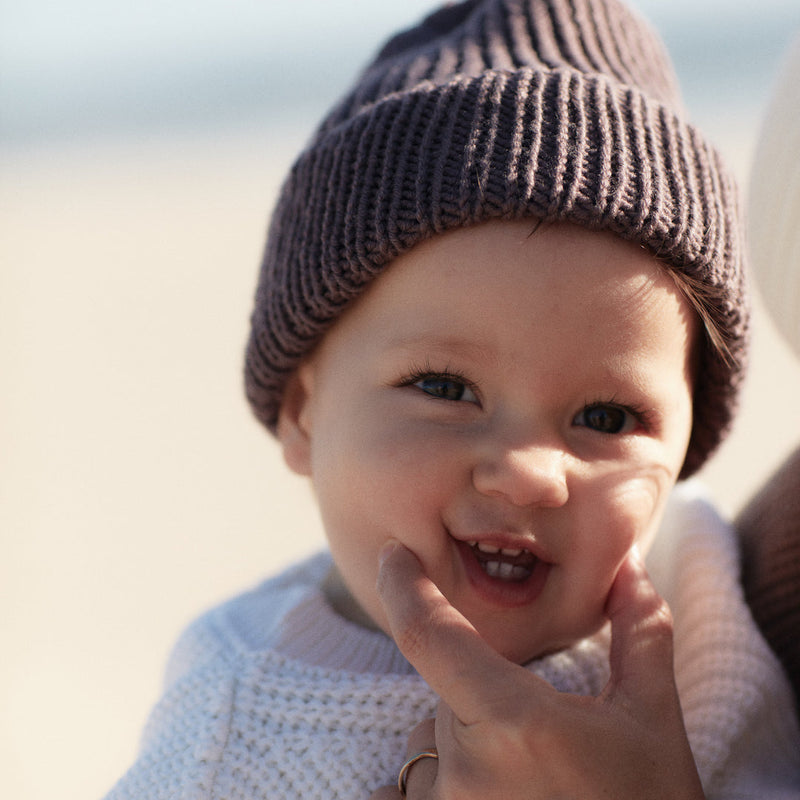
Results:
<point x="502" y="732"/>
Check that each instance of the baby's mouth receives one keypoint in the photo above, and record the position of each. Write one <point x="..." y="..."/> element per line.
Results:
<point x="513" y="565"/>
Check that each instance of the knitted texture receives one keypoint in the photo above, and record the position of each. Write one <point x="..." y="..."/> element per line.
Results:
<point x="769" y="529"/>
<point x="737" y="704"/>
<point x="273" y="696"/>
<point x="550" y="109"/>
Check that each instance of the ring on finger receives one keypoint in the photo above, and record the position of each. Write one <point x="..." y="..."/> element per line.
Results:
<point x="402" y="778"/>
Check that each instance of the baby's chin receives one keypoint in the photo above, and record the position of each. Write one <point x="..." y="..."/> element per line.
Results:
<point x="531" y="654"/>
<point x="342" y="601"/>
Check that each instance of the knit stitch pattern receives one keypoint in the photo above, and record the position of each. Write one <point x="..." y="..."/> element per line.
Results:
<point x="769" y="531"/>
<point x="254" y="709"/>
<point x="242" y="720"/>
<point x="559" y="110"/>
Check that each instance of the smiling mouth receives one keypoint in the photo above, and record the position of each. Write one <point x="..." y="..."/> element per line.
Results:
<point x="512" y="565"/>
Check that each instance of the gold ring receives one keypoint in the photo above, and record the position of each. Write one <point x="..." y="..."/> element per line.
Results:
<point x="402" y="778"/>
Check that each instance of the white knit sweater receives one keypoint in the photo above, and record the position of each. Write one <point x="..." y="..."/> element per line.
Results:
<point x="274" y="696"/>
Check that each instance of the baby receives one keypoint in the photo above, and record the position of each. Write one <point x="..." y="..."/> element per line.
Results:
<point x="483" y="404"/>
<point x="501" y="312"/>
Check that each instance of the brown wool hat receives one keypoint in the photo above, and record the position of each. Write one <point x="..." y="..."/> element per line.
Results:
<point x="553" y="109"/>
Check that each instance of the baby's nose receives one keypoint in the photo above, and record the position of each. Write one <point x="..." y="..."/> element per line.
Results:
<point x="529" y="474"/>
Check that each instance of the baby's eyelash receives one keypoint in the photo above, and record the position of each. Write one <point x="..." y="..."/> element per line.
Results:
<point x="418" y="373"/>
<point x="416" y="377"/>
<point x="643" y="415"/>
<point x="441" y="380"/>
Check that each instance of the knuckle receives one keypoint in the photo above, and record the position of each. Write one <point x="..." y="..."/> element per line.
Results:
<point x="660" y="620"/>
<point x="509" y="732"/>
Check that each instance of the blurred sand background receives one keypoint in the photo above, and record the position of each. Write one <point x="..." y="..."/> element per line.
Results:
<point x="135" y="488"/>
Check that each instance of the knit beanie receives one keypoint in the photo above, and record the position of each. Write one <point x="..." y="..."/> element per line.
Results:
<point x="560" y="110"/>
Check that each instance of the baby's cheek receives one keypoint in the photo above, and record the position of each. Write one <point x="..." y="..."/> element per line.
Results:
<point x="623" y="519"/>
<point x="638" y="504"/>
<point x="413" y="459"/>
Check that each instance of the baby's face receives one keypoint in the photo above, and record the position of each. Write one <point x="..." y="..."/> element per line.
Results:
<point x="513" y="408"/>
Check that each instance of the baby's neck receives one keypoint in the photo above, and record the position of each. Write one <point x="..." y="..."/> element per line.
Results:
<point x="342" y="601"/>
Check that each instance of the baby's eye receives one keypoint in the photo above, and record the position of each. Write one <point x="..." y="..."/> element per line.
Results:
<point x="446" y="387"/>
<point x="606" y="418"/>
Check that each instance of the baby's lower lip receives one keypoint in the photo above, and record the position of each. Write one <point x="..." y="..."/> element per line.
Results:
<point x="502" y="580"/>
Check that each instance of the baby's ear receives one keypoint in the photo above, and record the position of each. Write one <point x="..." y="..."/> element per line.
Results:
<point x="294" y="428"/>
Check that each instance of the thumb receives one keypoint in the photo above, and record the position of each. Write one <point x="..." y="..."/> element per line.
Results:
<point x="439" y="642"/>
<point x="641" y="634"/>
<point x="642" y="678"/>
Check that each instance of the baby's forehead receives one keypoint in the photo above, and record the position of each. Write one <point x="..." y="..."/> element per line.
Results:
<point x="523" y="257"/>
<point x="461" y="292"/>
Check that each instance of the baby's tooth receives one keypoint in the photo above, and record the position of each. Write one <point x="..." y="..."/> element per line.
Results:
<point x="506" y="570"/>
<point x="492" y="569"/>
<point x="491" y="549"/>
<point x="518" y="573"/>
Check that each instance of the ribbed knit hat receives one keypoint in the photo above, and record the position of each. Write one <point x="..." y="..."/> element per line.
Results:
<point x="553" y="109"/>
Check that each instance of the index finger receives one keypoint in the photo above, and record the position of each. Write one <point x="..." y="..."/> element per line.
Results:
<point x="437" y="639"/>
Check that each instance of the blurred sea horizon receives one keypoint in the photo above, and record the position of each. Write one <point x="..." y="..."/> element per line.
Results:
<point x="131" y="70"/>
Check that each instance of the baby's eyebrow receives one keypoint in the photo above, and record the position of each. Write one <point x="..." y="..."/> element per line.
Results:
<point x="433" y="345"/>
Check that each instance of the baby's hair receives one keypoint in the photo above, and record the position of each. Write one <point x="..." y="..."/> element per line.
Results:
<point x="704" y="299"/>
